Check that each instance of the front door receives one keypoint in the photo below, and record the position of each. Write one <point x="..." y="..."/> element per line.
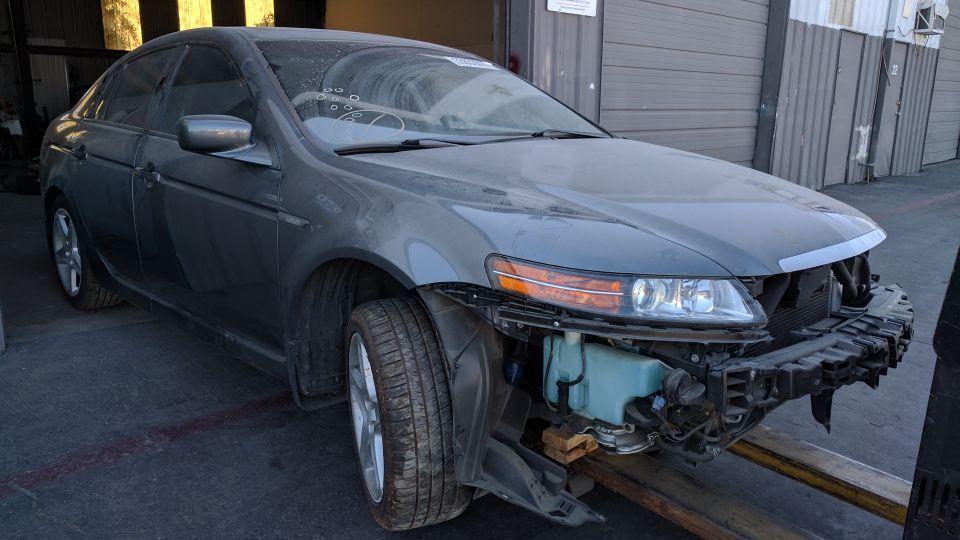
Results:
<point x="207" y="225"/>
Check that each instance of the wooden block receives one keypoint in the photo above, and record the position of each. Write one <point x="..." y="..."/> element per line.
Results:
<point x="564" y="446"/>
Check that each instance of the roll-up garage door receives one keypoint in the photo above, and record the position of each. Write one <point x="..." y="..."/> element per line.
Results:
<point x="684" y="73"/>
<point x="943" y="128"/>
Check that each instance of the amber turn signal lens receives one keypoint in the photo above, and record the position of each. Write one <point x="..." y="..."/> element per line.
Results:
<point x="557" y="287"/>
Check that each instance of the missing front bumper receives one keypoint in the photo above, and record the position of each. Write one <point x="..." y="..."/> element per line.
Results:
<point x="852" y="345"/>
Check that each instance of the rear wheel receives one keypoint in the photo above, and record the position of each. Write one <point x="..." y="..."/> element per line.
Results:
<point x="402" y="416"/>
<point x="76" y="278"/>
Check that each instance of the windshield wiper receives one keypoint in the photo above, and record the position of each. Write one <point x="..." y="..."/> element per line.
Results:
<point x="546" y="133"/>
<point x="564" y="134"/>
<point x="403" y="146"/>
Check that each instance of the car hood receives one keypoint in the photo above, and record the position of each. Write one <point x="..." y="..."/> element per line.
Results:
<point x="681" y="209"/>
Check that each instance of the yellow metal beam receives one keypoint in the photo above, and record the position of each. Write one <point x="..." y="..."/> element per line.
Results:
<point x="883" y="494"/>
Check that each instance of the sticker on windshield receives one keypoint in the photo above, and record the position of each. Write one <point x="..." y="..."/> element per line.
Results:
<point x="366" y="126"/>
<point x="470" y="62"/>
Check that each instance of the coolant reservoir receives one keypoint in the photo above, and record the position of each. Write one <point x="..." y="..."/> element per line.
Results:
<point x="612" y="378"/>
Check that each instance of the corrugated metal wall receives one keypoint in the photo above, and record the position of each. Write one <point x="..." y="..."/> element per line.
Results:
<point x="685" y="73"/>
<point x="51" y="85"/>
<point x="866" y="106"/>
<point x="77" y="22"/>
<point x="558" y="52"/>
<point x="808" y="86"/>
<point x="943" y="130"/>
<point x="72" y="23"/>
<point x="804" y="108"/>
<point x="157" y="18"/>
<point x="228" y="12"/>
<point x="912" y="122"/>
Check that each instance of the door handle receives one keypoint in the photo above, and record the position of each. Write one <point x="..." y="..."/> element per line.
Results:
<point x="79" y="152"/>
<point x="149" y="175"/>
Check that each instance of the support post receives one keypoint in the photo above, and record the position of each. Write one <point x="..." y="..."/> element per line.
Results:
<point x="28" y="103"/>
<point x="3" y="337"/>
<point x="777" y="20"/>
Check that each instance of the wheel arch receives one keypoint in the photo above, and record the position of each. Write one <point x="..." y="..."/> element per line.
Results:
<point x="318" y="311"/>
<point x="49" y="196"/>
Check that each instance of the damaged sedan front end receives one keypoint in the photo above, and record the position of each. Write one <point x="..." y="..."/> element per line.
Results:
<point x="670" y="381"/>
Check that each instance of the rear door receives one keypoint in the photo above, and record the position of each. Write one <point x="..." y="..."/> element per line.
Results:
<point x="207" y="225"/>
<point x="106" y="146"/>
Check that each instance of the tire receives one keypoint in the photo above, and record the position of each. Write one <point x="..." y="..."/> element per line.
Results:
<point x="414" y="415"/>
<point x="71" y="265"/>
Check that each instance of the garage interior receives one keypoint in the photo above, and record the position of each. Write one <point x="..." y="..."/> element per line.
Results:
<point x="100" y="434"/>
<point x="462" y="24"/>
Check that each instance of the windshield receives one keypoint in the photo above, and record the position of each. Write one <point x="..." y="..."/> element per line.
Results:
<point x="350" y="93"/>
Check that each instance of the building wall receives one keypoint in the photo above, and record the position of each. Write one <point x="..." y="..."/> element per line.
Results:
<point x="943" y="128"/>
<point x="804" y="110"/>
<point x="685" y="73"/>
<point x="808" y="84"/>
<point x="911" y="126"/>
<point x="463" y="24"/>
<point x="914" y="99"/>
<point x="559" y="52"/>
<point x="807" y="88"/>
<point x="803" y="114"/>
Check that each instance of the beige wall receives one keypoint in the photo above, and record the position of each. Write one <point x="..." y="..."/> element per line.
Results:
<point x="463" y="24"/>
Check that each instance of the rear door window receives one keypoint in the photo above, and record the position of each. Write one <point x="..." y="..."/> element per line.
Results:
<point x="96" y="108"/>
<point x="135" y="87"/>
<point x="207" y="83"/>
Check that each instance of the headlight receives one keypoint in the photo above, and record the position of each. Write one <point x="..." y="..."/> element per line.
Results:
<point x="653" y="299"/>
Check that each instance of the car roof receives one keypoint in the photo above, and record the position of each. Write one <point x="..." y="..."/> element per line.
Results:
<point x="228" y="35"/>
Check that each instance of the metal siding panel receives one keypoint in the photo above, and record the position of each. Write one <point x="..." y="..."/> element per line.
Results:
<point x="684" y="73"/>
<point x="158" y="18"/>
<point x="806" y="95"/>
<point x="565" y="56"/>
<point x="77" y="22"/>
<point x="866" y="105"/>
<point x="911" y="127"/>
<point x="51" y="81"/>
<point x="844" y="108"/>
<point x="228" y="12"/>
<point x="943" y="128"/>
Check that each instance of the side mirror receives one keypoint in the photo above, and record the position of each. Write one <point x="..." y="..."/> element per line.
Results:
<point x="214" y="134"/>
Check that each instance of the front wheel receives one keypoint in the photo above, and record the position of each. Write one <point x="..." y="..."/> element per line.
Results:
<point x="402" y="416"/>
<point x="77" y="281"/>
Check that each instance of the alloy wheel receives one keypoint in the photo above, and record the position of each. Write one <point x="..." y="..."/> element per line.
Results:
<point x="66" y="251"/>
<point x="366" y="417"/>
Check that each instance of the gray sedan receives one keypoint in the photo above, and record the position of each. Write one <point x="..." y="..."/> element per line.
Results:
<point x="459" y="253"/>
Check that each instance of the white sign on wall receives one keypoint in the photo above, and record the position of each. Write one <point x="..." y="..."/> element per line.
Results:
<point x="576" y="7"/>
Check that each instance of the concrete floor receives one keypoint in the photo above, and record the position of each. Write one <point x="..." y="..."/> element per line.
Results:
<point x="113" y="424"/>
